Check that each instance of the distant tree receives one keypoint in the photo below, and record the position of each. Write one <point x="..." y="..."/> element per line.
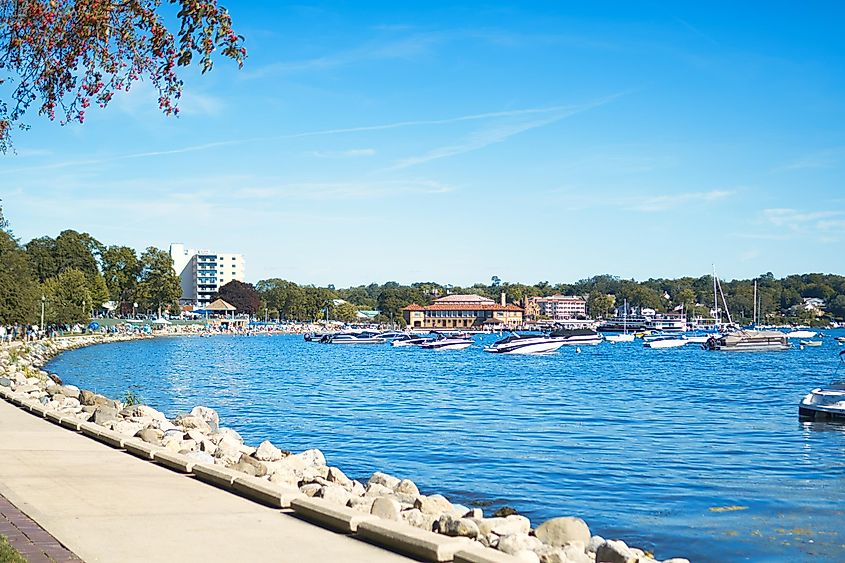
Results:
<point x="158" y="285"/>
<point x="345" y="312"/>
<point x="836" y="307"/>
<point x="19" y="291"/>
<point x="77" y="251"/>
<point x="241" y="295"/>
<point x="42" y="256"/>
<point x="600" y="303"/>
<point x="65" y="55"/>
<point x="121" y="270"/>
<point x="68" y="299"/>
<point x="495" y="281"/>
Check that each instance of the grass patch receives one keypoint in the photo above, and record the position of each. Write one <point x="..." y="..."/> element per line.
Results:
<point x="9" y="554"/>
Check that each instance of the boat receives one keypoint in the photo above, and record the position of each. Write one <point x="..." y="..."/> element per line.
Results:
<point x="748" y="341"/>
<point x="666" y="341"/>
<point x="576" y="336"/>
<point x="525" y="344"/>
<point x="624" y="337"/>
<point x="390" y="334"/>
<point x="666" y="324"/>
<point x="801" y="334"/>
<point x="824" y="404"/>
<point x="840" y="339"/>
<point x="458" y="341"/>
<point x="409" y="340"/>
<point x="697" y="338"/>
<point x="353" y="338"/>
<point x="811" y="343"/>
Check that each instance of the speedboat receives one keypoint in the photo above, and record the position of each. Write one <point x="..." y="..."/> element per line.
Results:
<point x="801" y="334"/>
<point x="619" y="337"/>
<point x="409" y="340"/>
<point x="576" y="336"/>
<point x="354" y="338"/>
<point x="451" y="342"/>
<point x="525" y="344"/>
<point x="811" y="343"/>
<point x="748" y="341"/>
<point x="823" y="404"/>
<point x="390" y="334"/>
<point x="840" y="339"/>
<point x="666" y="342"/>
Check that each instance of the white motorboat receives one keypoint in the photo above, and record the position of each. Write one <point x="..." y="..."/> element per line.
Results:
<point x="451" y="342"/>
<point x="619" y="337"/>
<point x="810" y="343"/>
<point x="525" y="344"/>
<point x="840" y="339"/>
<point x="801" y="334"/>
<point x="409" y="340"/>
<point x="666" y="342"/>
<point x="700" y="338"/>
<point x="353" y="338"/>
<point x="822" y="404"/>
<point x="576" y="337"/>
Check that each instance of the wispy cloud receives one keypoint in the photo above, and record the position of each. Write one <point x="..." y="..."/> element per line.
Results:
<point x="581" y="199"/>
<point x="342" y="190"/>
<point x="499" y="133"/>
<point x="671" y="201"/>
<point x="824" y="226"/>
<point x="828" y="158"/>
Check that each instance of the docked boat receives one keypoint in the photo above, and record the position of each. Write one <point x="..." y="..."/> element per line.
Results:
<point x="810" y="343"/>
<point x="409" y="340"/>
<point x="353" y="338"/>
<point x="619" y="337"/>
<point x="525" y="344"/>
<point x="576" y="336"/>
<point x="823" y="404"/>
<point x="666" y="324"/>
<point x="840" y="339"/>
<point x="748" y="341"/>
<point x="666" y="342"/>
<point x="801" y="334"/>
<point x="448" y="342"/>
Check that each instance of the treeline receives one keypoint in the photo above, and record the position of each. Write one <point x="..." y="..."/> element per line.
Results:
<point x="74" y="275"/>
<point x="779" y="300"/>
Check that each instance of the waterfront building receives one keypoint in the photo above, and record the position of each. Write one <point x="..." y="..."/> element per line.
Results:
<point x="462" y="312"/>
<point x="203" y="272"/>
<point x="558" y="307"/>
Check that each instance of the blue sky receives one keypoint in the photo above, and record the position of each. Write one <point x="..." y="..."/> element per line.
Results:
<point x="416" y="141"/>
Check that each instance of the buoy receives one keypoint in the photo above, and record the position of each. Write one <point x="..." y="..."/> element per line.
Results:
<point x="801" y="347"/>
<point x="577" y="350"/>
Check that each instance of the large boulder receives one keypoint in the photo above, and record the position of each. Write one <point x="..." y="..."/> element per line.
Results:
<point x="151" y="435"/>
<point x="200" y="457"/>
<point x="561" y="531"/>
<point x="406" y="487"/>
<point x="142" y="412"/>
<point x="459" y="527"/>
<point x="268" y="452"/>
<point x="105" y="414"/>
<point x="417" y="519"/>
<point x="387" y="508"/>
<point x="379" y="478"/>
<point x="334" y="493"/>
<point x="433" y="504"/>
<point x="339" y="477"/>
<point x="127" y="427"/>
<point x="209" y="415"/>
<point x="615" y="551"/>
<point x="312" y="457"/>
<point x="188" y="422"/>
<point x="514" y="524"/>
<point x="516" y="543"/>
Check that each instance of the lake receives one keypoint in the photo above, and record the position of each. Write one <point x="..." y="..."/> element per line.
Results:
<point x="680" y="451"/>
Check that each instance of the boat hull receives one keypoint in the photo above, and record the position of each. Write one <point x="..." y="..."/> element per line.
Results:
<point x="452" y="346"/>
<point x="619" y="337"/>
<point x="534" y="348"/>
<point x="672" y="343"/>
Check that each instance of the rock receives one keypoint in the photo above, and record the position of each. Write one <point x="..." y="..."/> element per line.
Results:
<point x="27" y="388"/>
<point x="560" y="531"/>
<point x="258" y="468"/>
<point x="5" y="381"/>
<point x="433" y="504"/>
<point x="407" y="487"/>
<point x="357" y="489"/>
<point x="285" y="476"/>
<point x="195" y="434"/>
<point x="151" y="435"/>
<point x="71" y="391"/>
<point x="527" y="556"/>
<point x="615" y="551"/>
<point x="595" y="543"/>
<point x="310" y="489"/>
<point x="207" y="446"/>
<point x="379" y="478"/>
<point x="376" y="490"/>
<point x="337" y="476"/>
<point x="127" y="427"/>
<point x="189" y="422"/>
<point x="313" y="457"/>
<point x="514" y="524"/>
<point x="514" y="543"/>
<point x="69" y="403"/>
<point x="228" y="450"/>
<point x="209" y="415"/>
<point x="245" y="468"/>
<point x="549" y="554"/>
<point x="54" y="389"/>
<point x="334" y="493"/>
<point x="676" y="560"/>
<point x="363" y="504"/>
<point x="228" y="433"/>
<point x="142" y="412"/>
<point x="473" y="513"/>
<point x="268" y="452"/>
<point x="459" y="527"/>
<point x="200" y="457"/>
<point x="504" y="512"/>
<point x="417" y="519"/>
<point x="86" y="397"/>
<point x="385" y="507"/>
<point x="576" y="554"/>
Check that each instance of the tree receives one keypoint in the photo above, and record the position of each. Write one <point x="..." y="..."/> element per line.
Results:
<point x="65" y="55"/>
<point x="836" y="307"/>
<point x="19" y="292"/>
<point x="600" y="304"/>
<point x="345" y="312"/>
<point x="242" y="295"/>
<point x="42" y="256"/>
<point x="121" y="270"/>
<point x="68" y="300"/>
<point x="158" y="285"/>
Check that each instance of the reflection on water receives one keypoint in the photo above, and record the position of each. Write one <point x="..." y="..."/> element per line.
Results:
<point x="680" y="451"/>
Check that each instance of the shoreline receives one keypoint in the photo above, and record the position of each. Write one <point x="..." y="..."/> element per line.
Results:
<point x="198" y="439"/>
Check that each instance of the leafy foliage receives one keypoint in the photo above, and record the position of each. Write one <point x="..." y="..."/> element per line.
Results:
<point x="241" y="295"/>
<point x="158" y="286"/>
<point x="68" y="299"/>
<point x="65" y="55"/>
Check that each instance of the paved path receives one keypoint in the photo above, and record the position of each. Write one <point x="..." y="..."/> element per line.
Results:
<point x="106" y="505"/>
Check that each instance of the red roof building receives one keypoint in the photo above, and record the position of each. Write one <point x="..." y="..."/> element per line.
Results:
<point x="462" y="311"/>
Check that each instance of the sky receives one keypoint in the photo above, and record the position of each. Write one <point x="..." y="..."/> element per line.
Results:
<point x="453" y="142"/>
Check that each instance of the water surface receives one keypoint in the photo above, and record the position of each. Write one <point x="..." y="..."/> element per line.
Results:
<point x="649" y="446"/>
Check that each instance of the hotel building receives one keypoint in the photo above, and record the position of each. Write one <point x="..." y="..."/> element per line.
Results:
<point x="558" y="307"/>
<point x="462" y="311"/>
<point x="202" y="272"/>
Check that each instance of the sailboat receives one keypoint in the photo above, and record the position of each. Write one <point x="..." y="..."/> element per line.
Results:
<point x="624" y="337"/>
<point x="738" y="339"/>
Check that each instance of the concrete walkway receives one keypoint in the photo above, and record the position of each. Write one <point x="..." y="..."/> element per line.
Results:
<point x="107" y="505"/>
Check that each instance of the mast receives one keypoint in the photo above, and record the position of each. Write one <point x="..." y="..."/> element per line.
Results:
<point x="715" y="300"/>
<point x="754" y="317"/>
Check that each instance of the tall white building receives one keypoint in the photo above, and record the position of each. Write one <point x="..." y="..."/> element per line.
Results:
<point x="202" y="272"/>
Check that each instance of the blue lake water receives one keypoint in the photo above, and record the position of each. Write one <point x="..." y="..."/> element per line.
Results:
<point x="640" y="443"/>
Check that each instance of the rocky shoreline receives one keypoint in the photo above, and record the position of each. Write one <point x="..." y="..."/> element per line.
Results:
<point x="199" y="437"/>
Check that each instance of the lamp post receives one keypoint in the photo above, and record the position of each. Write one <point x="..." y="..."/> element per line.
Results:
<point x="43" y="299"/>
<point x="134" y="307"/>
